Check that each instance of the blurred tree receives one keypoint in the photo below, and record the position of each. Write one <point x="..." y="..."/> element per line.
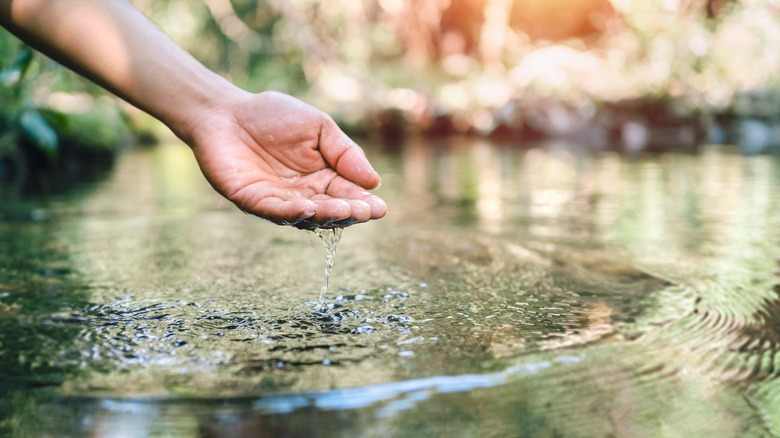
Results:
<point x="557" y="20"/>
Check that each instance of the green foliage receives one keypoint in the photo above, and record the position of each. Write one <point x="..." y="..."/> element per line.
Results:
<point x="99" y="131"/>
<point x="20" y="120"/>
<point x="21" y="117"/>
<point x="36" y="130"/>
<point x="13" y="74"/>
<point x="36" y="138"/>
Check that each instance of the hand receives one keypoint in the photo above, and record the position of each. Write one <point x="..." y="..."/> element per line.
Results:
<point x="271" y="154"/>
<point x="283" y="160"/>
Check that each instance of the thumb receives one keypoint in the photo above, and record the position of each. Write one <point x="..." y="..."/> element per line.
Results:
<point x="346" y="156"/>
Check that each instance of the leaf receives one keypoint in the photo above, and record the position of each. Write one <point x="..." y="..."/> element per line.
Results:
<point x="59" y="120"/>
<point x="24" y="59"/>
<point x="12" y="75"/>
<point x="36" y="129"/>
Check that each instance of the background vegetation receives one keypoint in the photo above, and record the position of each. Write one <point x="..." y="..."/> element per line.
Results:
<point x="52" y="122"/>
<point x="404" y="64"/>
<point x="603" y="72"/>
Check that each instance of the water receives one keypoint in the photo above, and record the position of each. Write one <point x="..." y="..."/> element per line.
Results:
<point x="330" y="240"/>
<point x="509" y="292"/>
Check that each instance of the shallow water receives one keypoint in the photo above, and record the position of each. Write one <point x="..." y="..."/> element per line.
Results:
<point x="508" y="292"/>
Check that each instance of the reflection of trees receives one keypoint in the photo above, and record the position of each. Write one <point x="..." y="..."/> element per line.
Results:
<point x="680" y="205"/>
<point x="701" y="355"/>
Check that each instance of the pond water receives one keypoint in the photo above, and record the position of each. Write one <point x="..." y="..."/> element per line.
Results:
<point x="508" y="292"/>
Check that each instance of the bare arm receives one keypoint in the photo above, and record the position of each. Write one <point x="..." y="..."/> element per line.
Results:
<point x="269" y="153"/>
<point x="115" y="45"/>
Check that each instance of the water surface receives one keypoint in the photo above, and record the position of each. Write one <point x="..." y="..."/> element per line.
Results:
<point x="509" y="292"/>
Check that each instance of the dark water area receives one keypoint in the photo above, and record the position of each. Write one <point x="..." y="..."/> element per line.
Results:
<point x="508" y="292"/>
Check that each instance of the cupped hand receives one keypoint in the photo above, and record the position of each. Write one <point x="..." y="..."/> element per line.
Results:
<point x="283" y="160"/>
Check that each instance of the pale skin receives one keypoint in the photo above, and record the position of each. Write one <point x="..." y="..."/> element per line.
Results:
<point x="270" y="154"/>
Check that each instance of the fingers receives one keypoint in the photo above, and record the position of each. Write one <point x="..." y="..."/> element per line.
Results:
<point x="347" y="157"/>
<point x="378" y="207"/>
<point x="330" y="210"/>
<point x="367" y="207"/>
<point x="319" y="210"/>
<point x="282" y="211"/>
<point x="326" y="217"/>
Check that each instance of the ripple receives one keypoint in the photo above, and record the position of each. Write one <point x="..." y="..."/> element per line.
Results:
<point x="135" y="334"/>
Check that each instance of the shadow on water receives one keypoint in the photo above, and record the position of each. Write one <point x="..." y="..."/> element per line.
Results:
<point x="507" y="293"/>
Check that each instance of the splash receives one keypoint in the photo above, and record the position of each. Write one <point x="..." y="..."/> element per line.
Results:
<point x="330" y="240"/>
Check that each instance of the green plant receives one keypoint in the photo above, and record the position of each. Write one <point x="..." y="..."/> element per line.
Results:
<point x="40" y="137"/>
<point x="21" y="120"/>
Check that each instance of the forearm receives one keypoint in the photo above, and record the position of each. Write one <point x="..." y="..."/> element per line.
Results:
<point x="115" y="45"/>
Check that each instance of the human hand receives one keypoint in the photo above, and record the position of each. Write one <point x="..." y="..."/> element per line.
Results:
<point x="272" y="155"/>
<point x="283" y="160"/>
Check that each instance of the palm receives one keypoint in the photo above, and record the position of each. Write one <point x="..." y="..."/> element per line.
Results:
<point x="280" y="159"/>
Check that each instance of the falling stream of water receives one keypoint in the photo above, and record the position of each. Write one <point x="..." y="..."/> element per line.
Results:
<point x="330" y="240"/>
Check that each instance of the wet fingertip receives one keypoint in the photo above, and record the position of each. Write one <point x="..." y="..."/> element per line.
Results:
<point x="378" y="205"/>
<point x="339" y="210"/>
<point x="361" y="210"/>
<point x="310" y="211"/>
<point x="342" y="208"/>
<point x="306" y="209"/>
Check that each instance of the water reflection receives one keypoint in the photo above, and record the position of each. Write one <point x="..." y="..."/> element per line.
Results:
<point x="516" y="292"/>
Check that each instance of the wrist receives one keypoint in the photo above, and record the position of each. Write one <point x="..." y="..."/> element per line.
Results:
<point x="197" y="102"/>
